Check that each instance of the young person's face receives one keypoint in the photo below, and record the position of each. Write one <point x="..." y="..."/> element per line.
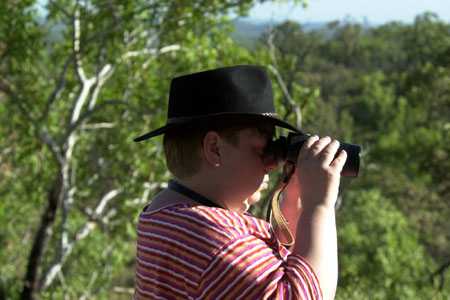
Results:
<point x="243" y="166"/>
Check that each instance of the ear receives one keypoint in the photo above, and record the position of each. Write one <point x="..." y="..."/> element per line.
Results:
<point x="211" y="145"/>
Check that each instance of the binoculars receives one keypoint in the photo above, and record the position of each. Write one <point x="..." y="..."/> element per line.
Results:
<point x="287" y="148"/>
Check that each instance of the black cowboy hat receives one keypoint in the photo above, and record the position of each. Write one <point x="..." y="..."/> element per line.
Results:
<point x="238" y="91"/>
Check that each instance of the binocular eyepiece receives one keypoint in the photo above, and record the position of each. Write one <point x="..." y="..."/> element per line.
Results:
<point x="287" y="148"/>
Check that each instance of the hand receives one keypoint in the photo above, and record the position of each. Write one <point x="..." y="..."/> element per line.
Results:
<point x="290" y="204"/>
<point x="319" y="173"/>
<point x="291" y="195"/>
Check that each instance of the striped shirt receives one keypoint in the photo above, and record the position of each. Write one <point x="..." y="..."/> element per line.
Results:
<point x="199" y="252"/>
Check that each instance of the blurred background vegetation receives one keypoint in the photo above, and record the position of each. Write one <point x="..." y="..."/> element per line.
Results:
<point x="80" y="81"/>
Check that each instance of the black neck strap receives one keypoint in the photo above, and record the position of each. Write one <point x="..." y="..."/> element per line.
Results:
<point x="177" y="187"/>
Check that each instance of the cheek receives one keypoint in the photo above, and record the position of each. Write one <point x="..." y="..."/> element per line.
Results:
<point x="253" y="165"/>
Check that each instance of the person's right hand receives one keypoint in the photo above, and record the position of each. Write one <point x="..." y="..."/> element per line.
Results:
<point x="319" y="173"/>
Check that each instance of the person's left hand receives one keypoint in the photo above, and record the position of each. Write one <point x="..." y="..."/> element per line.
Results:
<point x="291" y="204"/>
<point x="291" y="199"/>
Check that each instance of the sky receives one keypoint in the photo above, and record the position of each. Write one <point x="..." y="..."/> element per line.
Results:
<point x="373" y="11"/>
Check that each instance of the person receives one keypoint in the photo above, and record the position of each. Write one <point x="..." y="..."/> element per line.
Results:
<point x="195" y="238"/>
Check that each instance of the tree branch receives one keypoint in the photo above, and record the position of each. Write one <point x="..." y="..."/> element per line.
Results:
<point x="76" y="44"/>
<point x="57" y="90"/>
<point x="82" y="233"/>
<point x="54" y="148"/>
<point x="100" y="79"/>
<point x="83" y="117"/>
<point x="288" y="101"/>
<point x="103" y="125"/>
<point x="152" y="51"/>
<point x="81" y="100"/>
<point x="148" y="188"/>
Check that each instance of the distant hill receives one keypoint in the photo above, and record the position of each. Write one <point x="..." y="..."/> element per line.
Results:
<point x="248" y="31"/>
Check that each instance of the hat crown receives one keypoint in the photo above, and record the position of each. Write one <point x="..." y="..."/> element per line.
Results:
<point x="240" y="89"/>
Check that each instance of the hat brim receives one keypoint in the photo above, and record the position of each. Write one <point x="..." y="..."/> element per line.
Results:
<point x="183" y="121"/>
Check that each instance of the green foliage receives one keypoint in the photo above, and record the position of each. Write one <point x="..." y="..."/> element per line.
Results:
<point x="386" y="88"/>
<point x="379" y="251"/>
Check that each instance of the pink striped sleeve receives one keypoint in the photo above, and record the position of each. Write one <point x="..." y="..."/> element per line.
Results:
<point x="246" y="268"/>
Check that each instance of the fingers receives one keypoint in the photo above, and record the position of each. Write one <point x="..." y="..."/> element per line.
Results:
<point x="318" y="146"/>
<point x="325" y="150"/>
<point x="313" y="146"/>
<point x="309" y="142"/>
<point x="339" y="162"/>
<point x="306" y="146"/>
<point x="329" y="152"/>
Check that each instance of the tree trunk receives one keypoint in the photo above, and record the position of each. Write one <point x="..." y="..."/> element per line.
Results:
<point x="40" y="241"/>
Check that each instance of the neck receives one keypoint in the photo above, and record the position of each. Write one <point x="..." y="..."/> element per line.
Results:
<point x="191" y="194"/>
<point x="214" y="192"/>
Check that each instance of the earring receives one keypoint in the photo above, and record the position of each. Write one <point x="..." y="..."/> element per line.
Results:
<point x="216" y="164"/>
